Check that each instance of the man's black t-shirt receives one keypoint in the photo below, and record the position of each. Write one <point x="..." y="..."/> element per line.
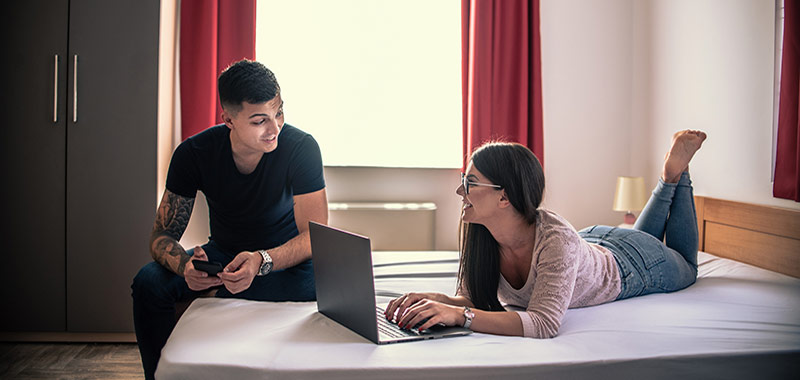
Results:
<point x="253" y="211"/>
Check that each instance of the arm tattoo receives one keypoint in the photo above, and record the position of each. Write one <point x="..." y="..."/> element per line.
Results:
<point x="175" y="252"/>
<point x="171" y="221"/>
<point x="173" y="215"/>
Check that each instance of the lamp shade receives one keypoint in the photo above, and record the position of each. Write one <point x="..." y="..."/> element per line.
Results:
<point x="630" y="195"/>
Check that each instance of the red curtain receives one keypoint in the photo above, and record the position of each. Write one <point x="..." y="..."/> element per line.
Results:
<point x="214" y="34"/>
<point x="501" y="73"/>
<point x="787" y="162"/>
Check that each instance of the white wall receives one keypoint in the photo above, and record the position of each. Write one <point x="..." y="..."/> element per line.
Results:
<point x="713" y="70"/>
<point x="167" y="87"/>
<point x="621" y="76"/>
<point x="587" y="91"/>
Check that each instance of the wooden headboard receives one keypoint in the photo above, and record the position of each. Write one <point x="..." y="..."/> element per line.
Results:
<point x="764" y="236"/>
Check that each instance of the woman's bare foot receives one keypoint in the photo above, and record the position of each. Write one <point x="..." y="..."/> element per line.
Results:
<point x="684" y="145"/>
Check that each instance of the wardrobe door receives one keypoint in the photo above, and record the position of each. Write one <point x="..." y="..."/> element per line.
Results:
<point x="111" y="157"/>
<point x="32" y="153"/>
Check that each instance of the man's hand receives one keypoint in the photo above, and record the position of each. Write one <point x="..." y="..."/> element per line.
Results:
<point x="198" y="280"/>
<point x="239" y="273"/>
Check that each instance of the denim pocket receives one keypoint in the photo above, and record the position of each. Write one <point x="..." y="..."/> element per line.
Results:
<point x="632" y="282"/>
<point x="652" y="254"/>
<point x="649" y="249"/>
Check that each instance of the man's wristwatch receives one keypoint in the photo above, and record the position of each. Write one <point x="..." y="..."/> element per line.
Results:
<point x="468" y="315"/>
<point x="266" y="263"/>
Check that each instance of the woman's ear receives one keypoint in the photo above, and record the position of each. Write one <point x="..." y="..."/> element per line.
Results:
<point x="504" y="202"/>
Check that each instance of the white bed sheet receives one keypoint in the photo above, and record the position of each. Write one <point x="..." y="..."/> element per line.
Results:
<point x="737" y="321"/>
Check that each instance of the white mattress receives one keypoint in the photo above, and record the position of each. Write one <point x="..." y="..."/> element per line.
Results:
<point x="737" y="321"/>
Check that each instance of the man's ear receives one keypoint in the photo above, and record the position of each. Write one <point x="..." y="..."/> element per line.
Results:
<point x="226" y="118"/>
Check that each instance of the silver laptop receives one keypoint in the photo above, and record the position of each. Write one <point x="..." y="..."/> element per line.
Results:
<point x="346" y="288"/>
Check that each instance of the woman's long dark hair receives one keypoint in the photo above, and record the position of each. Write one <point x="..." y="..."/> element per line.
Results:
<point x="514" y="167"/>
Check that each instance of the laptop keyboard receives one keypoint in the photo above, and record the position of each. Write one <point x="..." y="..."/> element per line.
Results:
<point x="390" y="328"/>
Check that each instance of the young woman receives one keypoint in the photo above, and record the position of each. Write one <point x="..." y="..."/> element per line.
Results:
<point x="516" y="253"/>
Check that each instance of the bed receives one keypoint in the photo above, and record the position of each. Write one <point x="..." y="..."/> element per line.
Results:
<point x="740" y="320"/>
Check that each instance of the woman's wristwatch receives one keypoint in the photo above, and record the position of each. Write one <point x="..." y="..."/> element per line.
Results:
<point x="266" y="263"/>
<point x="468" y="315"/>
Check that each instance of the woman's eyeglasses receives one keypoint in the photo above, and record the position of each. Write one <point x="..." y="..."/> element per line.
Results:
<point x="467" y="183"/>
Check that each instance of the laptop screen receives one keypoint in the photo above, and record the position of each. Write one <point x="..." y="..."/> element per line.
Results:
<point x="344" y="280"/>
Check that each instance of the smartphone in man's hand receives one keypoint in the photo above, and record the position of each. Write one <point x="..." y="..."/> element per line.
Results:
<point x="212" y="268"/>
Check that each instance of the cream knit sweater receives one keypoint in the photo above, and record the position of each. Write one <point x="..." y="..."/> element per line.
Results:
<point x="566" y="272"/>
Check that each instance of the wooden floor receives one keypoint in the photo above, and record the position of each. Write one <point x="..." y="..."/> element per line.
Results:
<point x="70" y="361"/>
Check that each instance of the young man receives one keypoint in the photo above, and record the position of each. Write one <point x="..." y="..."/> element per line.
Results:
<point x="263" y="182"/>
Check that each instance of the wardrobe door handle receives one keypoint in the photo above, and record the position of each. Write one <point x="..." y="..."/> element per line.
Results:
<point x="75" y="89"/>
<point x="55" y="88"/>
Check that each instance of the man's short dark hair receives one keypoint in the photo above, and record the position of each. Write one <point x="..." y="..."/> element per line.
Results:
<point x="246" y="81"/>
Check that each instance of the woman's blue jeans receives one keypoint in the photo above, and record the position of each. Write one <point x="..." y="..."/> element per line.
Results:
<point x="157" y="289"/>
<point x="660" y="253"/>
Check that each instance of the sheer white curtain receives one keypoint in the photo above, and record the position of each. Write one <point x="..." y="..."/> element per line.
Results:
<point x="378" y="83"/>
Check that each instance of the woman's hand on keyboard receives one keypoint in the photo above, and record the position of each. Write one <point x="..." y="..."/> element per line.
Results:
<point x="426" y="313"/>
<point x="398" y="306"/>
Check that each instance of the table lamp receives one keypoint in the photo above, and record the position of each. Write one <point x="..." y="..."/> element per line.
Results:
<point x="630" y="196"/>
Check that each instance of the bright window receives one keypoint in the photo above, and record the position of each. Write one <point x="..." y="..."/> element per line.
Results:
<point x="377" y="82"/>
